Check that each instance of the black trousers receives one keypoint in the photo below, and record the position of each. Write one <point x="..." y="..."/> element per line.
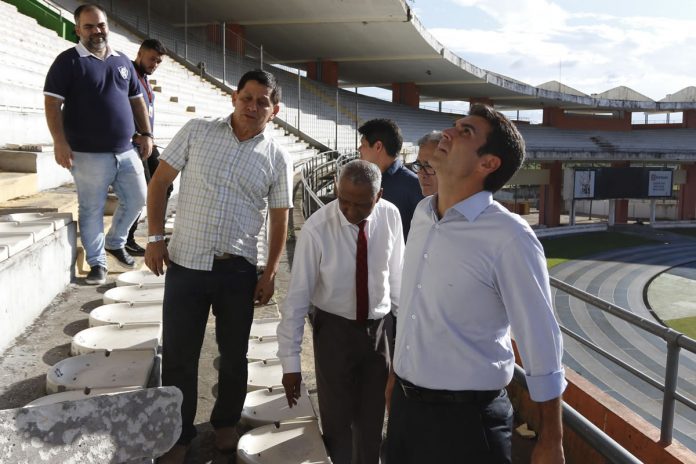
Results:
<point x="188" y="297"/>
<point x="352" y="365"/>
<point x="448" y="432"/>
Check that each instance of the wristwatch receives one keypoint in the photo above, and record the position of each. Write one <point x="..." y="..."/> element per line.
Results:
<point x="155" y="238"/>
<point x="147" y="134"/>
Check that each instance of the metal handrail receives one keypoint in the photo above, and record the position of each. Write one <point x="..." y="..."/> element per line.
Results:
<point x="675" y="342"/>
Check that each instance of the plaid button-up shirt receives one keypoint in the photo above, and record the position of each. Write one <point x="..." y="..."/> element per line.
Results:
<point x="226" y="188"/>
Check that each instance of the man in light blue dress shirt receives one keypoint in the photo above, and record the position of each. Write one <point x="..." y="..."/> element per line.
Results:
<point x="474" y="275"/>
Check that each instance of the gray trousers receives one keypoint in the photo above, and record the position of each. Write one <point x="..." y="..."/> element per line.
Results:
<point x="352" y="365"/>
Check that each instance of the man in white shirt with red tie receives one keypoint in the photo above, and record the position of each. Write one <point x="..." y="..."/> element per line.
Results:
<point x="351" y="290"/>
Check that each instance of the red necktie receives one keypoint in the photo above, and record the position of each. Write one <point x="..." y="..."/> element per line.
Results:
<point x="361" y="294"/>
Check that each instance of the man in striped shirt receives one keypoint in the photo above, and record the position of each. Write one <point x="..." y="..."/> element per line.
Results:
<point x="233" y="174"/>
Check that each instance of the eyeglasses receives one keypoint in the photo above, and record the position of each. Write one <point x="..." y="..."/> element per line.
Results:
<point x="416" y="166"/>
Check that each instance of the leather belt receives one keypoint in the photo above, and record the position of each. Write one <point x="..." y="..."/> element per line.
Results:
<point x="426" y="395"/>
<point x="225" y="256"/>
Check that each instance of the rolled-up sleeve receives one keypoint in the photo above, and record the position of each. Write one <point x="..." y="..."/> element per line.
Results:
<point x="523" y="284"/>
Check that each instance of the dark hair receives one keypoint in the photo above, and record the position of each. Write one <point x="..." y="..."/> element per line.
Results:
<point x="503" y="141"/>
<point x="153" y="44"/>
<point x="86" y="7"/>
<point x="263" y="78"/>
<point x="385" y="131"/>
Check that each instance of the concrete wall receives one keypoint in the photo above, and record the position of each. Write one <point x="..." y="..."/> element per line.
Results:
<point x="637" y="209"/>
<point x="31" y="279"/>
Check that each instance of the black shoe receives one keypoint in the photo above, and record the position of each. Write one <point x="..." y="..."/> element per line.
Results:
<point x="123" y="258"/>
<point x="96" y="276"/>
<point x="134" y="249"/>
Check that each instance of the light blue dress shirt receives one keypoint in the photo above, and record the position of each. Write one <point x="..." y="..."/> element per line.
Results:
<point x="468" y="278"/>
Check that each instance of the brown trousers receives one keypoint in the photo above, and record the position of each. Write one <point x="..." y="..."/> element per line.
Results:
<point x="352" y="365"/>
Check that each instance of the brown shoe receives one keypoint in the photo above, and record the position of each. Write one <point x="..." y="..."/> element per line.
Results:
<point x="176" y="455"/>
<point x="226" y="439"/>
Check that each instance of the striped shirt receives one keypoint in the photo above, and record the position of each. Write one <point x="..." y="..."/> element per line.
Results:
<point x="226" y="188"/>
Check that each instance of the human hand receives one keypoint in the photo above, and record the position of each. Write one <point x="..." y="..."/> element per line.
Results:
<point x="145" y="144"/>
<point x="265" y="288"/>
<point x="63" y="154"/>
<point x="292" y="382"/>
<point x="156" y="256"/>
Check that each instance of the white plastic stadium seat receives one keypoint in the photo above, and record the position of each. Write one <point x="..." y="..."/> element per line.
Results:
<point x="262" y="349"/>
<point x="262" y="407"/>
<point x="134" y="294"/>
<point x="72" y="395"/>
<point x="264" y="374"/>
<point x="145" y="278"/>
<point x="264" y="328"/>
<point x="126" y="313"/>
<point x="102" y="369"/>
<point x="116" y="338"/>
<point x="291" y="442"/>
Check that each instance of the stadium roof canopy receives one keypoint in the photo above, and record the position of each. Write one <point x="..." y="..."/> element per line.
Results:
<point x="379" y="42"/>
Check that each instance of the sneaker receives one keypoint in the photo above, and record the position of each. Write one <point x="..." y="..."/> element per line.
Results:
<point x="134" y="249"/>
<point x="123" y="258"/>
<point x="96" y="276"/>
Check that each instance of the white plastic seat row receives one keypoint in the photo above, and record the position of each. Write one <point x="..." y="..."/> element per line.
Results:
<point x="126" y="313"/>
<point x="21" y="230"/>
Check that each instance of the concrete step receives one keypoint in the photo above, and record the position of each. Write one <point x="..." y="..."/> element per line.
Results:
<point x="17" y="184"/>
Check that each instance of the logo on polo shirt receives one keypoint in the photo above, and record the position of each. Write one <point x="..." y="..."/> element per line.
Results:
<point x="124" y="71"/>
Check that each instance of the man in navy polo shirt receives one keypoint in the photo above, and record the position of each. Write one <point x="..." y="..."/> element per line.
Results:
<point x="92" y="96"/>
<point x="380" y="144"/>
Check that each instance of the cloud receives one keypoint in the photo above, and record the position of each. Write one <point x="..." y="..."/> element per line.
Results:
<point x="537" y="40"/>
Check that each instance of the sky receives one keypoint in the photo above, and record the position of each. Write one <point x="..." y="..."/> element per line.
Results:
<point x="590" y="45"/>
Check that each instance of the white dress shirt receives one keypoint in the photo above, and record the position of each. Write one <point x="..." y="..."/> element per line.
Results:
<point x="467" y="279"/>
<point x="226" y="188"/>
<point x="323" y="272"/>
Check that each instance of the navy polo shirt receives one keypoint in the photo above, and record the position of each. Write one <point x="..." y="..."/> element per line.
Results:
<point x="401" y="187"/>
<point x="97" y="115"/>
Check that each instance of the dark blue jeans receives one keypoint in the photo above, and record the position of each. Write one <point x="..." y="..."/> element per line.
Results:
<point x="188" y="297"/>
<point x="447" y="432"/>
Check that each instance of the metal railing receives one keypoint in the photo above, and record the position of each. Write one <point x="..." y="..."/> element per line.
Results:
<point x="675" y="341"/>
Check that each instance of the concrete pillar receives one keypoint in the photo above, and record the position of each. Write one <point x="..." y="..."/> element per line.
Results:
<point x="621" y="208"/>
<point x="406" y="93"/>
<point x="550" y="200"/>
<point x="689" y="119"/>
<point x="325" y="71"/>
<point x="234" y="37"/>
<point x="686" y="200"/>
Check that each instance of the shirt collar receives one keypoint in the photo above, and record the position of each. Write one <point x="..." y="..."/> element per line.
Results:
<point x="262" y="134"/>
<point x="472" y="207"/>
<point x="395" y="166"/>
<point x="344" y="222"/>
<point x="83" y="52"/>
